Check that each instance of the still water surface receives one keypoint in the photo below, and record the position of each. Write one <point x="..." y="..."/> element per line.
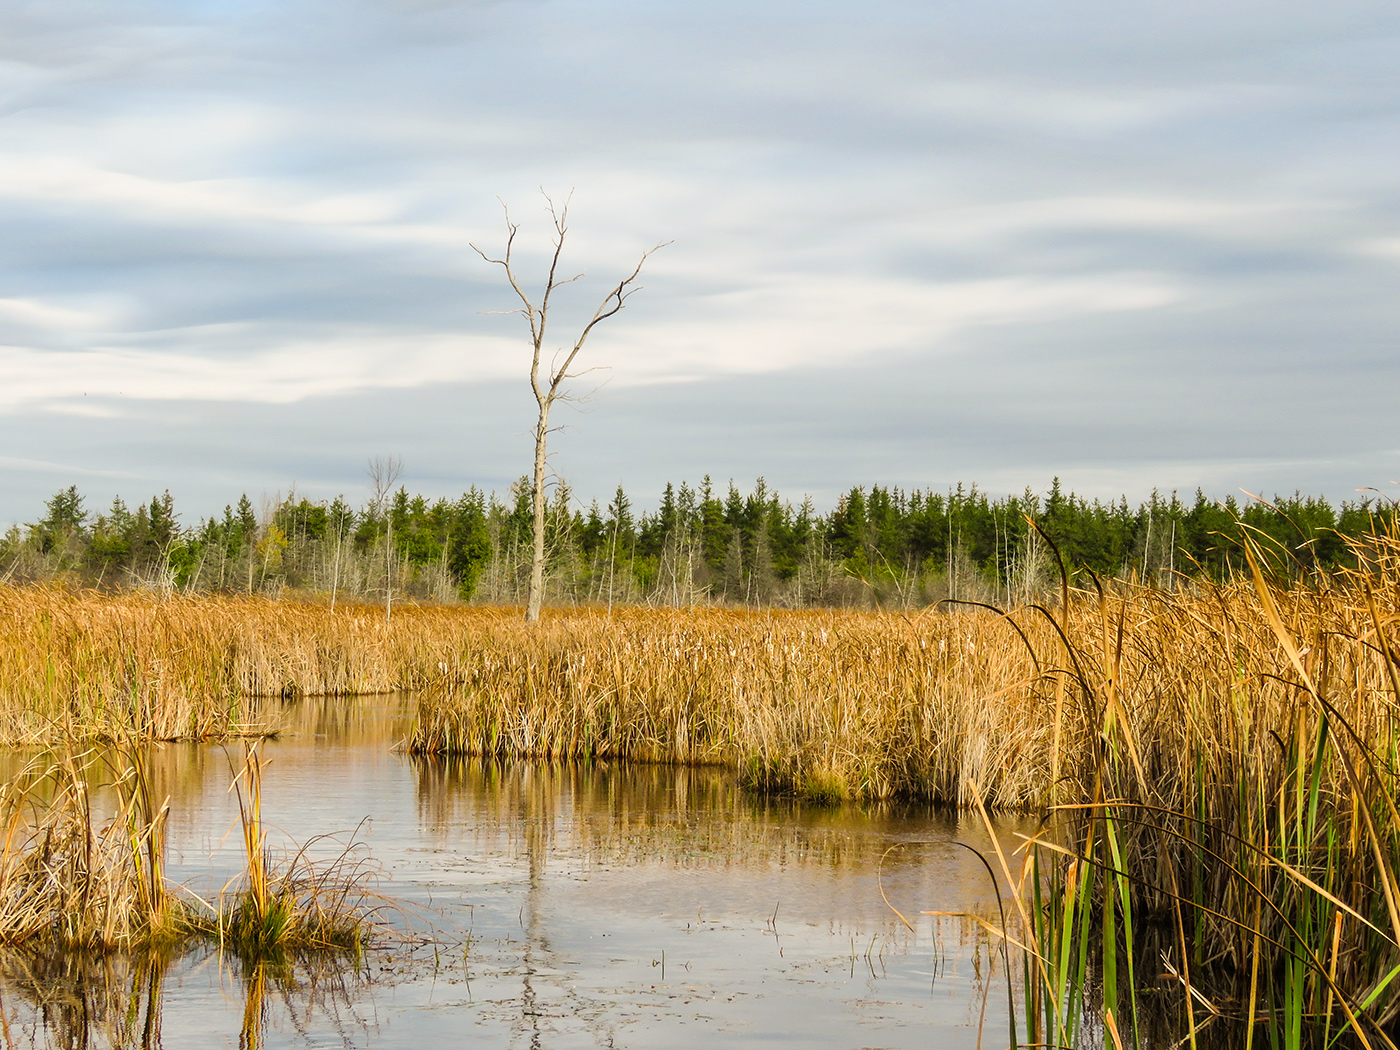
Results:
<point x="602" y="906"/>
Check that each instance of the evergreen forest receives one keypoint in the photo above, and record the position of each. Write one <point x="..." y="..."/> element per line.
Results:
<point x="878" y="546"/>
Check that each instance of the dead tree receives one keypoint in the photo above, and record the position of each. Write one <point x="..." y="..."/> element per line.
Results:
<point x="550" y="388"/>
<point x="383" y="473"/>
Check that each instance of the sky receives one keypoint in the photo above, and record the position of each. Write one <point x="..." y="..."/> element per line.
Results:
<point x="1137" y="246"/>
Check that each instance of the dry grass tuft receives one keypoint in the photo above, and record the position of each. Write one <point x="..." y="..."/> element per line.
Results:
<point x="73" y="880"/>
<point x="298" y="906"/>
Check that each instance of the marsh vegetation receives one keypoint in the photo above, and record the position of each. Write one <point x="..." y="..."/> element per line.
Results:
<point x="84" y="861"/>
<point x="1213" y="764"/>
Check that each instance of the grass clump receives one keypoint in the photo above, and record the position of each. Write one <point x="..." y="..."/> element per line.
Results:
<point x="297" y="907"/>
<point x="72" y="880"/>
<point x="823" y="788"/>
<point x="76" y="879"/>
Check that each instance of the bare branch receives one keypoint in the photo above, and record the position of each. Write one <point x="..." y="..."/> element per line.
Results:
<point x="561" y="230"/>
<point x="534" y="315"/>
<point x="611" y="304"/>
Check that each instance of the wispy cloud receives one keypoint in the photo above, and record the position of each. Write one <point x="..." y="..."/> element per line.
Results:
<point x="62" y="320"/>
<point x="285" y="372"/>
<point x="268" y="206"/>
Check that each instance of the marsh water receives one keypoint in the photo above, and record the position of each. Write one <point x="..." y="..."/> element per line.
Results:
<point x="553" y="906"/>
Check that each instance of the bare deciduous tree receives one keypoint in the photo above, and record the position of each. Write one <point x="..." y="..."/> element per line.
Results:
<point x="383" y="473"/>
<point x="549" y="388"/>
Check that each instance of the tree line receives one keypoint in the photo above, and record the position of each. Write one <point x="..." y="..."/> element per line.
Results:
<point x="878" y="546"/>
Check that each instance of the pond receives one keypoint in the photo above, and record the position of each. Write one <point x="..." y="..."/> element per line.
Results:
<point x="556" y="906"/>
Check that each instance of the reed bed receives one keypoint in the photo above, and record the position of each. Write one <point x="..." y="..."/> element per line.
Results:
<point x="1218" y="864"/>
<point x="958" y="708"/>
<point x="957" y="705"/>
<point x="71" y="880"/>
<point x="89" y="878"/>
<point x="82" y="664"/>
<point x="825" y="704"/>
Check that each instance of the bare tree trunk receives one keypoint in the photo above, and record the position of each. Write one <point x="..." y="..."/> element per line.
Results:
<point x="335" y="573"/>
<point x="537" y="508"/>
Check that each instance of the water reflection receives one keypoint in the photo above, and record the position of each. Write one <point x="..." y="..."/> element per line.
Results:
<point x="651" y="818"/>
<point x="80" y="1001"/>
<point x="578" y="905"/>
<point x="768" y="911"/>
<point x="117" y="1002"/>
<point x="610" y="812"/>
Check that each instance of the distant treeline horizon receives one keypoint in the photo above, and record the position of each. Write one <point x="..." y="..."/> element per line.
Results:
<point x="879" y="545"/>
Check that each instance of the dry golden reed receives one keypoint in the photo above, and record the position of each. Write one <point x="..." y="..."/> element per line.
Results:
<point x="82" y="664"/>
<point x="947" y="706"/>
<point x="71" y="878"/>
<point x="832" y="704"/>
<point x="950" y="705"/>
<point x="1227" y="816"/>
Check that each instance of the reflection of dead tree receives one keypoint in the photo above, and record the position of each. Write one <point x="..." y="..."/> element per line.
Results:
<point x="549" y="388"/>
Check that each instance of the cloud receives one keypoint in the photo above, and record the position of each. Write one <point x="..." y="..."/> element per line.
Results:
<point x="1180" y="226"/>
<point x="285" y="373"/>
<point x="31" y="313"/>
<point x="818" y="321"/>
<point x="50" y="468"/>
<point x="794" y="321"/>
<point x="222" y="201"/>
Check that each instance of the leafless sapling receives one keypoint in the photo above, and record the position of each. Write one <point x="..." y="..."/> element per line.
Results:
<point x="383" y="473"/>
